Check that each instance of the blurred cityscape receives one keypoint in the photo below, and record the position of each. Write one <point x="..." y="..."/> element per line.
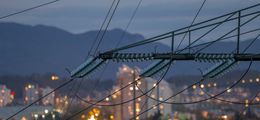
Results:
<point x="57" y="106"/>
<point x="181" y="60"/>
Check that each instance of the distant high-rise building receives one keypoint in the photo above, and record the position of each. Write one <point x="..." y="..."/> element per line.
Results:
<point x="50" y="99"/>
<point x="162" y="94"/>
<point x="126" y="76"/>
<point x="31" y="93"/>
<point x="6" y="96"/>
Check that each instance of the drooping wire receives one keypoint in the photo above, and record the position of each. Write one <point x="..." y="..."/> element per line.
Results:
<point x="120" y="40"/>
<point x="249" y="104"/>
<point x="233" y="102"/>
<point x="194" y="102"/>
<point x="121" y="103"/>
<point x="24" y="108"/>
<point x="28" y="9"/>
<point x="96" y="103"/>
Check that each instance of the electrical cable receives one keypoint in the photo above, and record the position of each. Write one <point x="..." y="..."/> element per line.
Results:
<point x="250" y="31"/>
<point x="99" y="42"/>
<point x="191" y="23"/>
<point x="228" y="33"/>
<point x="233" y="102"/>
<point x="251" y="43"/>
<point x="28" y="9"/>
<point x="121" y="38"/>
<point x="77" y="89"/>
<point x="24" y="108"/>
<point x="66" y="84"/>
<point x="75" y="114"/>
<point x="249" y="104"/>
<point x="128" y="24"/>
<point x="100" y="29"/>
<point x="169" y="34"/>
<point x="165" y="101"/>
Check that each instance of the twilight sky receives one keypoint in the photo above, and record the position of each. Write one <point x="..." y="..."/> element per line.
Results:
<point x="153" y="17"/>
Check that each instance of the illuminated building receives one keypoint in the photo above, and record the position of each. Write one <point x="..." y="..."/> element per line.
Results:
<point x="6" y="96"/>
<point x="126" y="76"/>
<point x="50" y="99"/>
<point x="31" y="93"/>
<point x="164" y="93"/>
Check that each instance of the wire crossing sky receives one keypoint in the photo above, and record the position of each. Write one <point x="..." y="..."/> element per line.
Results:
<point x="154" y="17"/>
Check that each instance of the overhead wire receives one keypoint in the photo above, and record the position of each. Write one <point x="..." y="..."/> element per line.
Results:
<point x="128" y="24"/>
<point x="93" y="44"/>
<point x="102" y="36"/>
<point x="120" y="40"/>
<point x="234" y="102"/>
<point x="228" y="33"/>
<point x="191" y="23"/>
<point x="44" y="96"/>
<point x="205" y="43"/>
<point x="96" y="103"/>
<point x="31" y="104"/>
<point x="100" y="29"/>
<point x="62" y="85"/>
<point x="28" y="9"/>
<point x="193" y="102"/>
<point x="169" y="34"/>
<point x="124" y="102"/>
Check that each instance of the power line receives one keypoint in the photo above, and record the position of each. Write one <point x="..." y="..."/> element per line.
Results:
<point x="121" y="39"/>
<point x="181" y="30"/>
<point x="228" y="33"/>
<point x="21" y="110"/>
<point x="191" y="23"/>
<point x="103" y="23"/>
<point x="29" y="9"/>
<point x="99" y="42"/>
<point x="249" y="104"/>
<point x="121" y="103"/>
<point x="75" y="114"/>
<point x="165" y="101"/>
<point x="250" y="31"/>
<point x="128" y="24"/>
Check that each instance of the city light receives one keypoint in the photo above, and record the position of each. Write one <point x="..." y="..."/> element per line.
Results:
<point x="201" y="86"/>
<point x="54" y="77"/>
<point x="225" y="117"/>
<point x="46" y="111"/>
<point x="24" y="118"/>
<point x="194" y="86"/>
<point x="92" y="117"/>
<point x="111" y="117"/>
<point x="53" y="116"/>
<point x="36" y="115"/>
<point x="131" y="88"/>
<point x="229" y="90"/>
